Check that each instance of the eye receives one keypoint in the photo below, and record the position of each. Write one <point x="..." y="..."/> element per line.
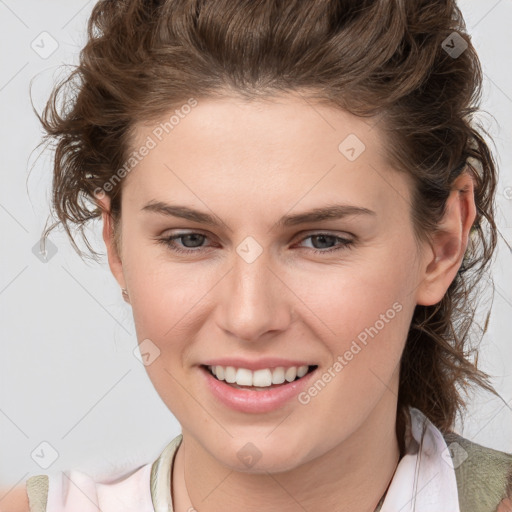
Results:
<point x="192" y="242"/>
<point x="323" y="239"/>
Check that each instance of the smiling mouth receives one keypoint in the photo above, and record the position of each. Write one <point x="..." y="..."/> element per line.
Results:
<point x="258" y="380"/>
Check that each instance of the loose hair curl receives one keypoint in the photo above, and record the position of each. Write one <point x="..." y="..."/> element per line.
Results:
<point x="381" y="59"/>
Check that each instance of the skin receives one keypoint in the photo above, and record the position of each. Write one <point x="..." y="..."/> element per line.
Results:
<point x="249" y="164"/>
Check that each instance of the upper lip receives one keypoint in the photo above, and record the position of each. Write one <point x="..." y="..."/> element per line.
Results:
<point x="260" y="364"/>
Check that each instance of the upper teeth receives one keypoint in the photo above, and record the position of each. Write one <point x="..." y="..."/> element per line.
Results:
<point x="259" y="378"/>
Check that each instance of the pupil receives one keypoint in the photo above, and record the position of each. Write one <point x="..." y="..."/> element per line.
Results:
<point x="198" y="237"/>
<point x="323" y="237"/>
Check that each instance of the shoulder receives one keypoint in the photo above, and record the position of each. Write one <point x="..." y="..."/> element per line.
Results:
<point x="484" y="475"/>
<point x="14" y="499"/>
<point x="135" y="491"/>
<point x="73" y="490"/>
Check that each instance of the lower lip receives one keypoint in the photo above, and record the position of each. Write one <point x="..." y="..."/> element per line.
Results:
<point x="255" y="401"/>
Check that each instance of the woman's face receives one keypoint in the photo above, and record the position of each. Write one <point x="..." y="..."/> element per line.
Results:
<point x="267" y="285"/>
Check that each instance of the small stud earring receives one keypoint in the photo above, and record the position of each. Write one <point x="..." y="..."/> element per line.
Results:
<point x="125" y="292"/>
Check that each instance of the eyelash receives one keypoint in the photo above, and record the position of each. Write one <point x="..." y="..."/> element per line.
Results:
<point x="169" y="242"/>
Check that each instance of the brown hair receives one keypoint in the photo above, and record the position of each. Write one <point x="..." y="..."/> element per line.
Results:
<point x="393" y="61"/>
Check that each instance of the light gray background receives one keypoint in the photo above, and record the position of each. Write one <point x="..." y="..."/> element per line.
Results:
<point x="68" y="375"/>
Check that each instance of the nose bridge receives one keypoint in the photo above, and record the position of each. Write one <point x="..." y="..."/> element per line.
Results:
<point x="253" y="300"/>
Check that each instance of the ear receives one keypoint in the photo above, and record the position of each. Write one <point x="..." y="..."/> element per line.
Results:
<point x="114" y="259"/>
<point x="449" y="243"/>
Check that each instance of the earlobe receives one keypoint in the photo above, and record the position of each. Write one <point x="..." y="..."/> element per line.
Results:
<point x="114" y="260"/>
<point x="449" y="242"/>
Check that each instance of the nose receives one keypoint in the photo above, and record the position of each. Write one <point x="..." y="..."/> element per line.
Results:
<point x="254" y="302"/>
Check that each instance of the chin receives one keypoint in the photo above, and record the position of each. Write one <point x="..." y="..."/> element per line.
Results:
<point x="260" y="456"/>
<point x="276" y="464"/>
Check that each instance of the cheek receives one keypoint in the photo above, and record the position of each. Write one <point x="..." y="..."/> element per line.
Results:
<point x="163" y="294"/>
<point x="358" y="293"/>
<point x="363" y="310"/>
<point x="368" y="314"/>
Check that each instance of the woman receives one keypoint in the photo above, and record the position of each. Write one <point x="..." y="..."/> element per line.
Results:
<point x="297" y="206"/>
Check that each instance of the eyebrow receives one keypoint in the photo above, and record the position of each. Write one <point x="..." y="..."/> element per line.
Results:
<point x="329" y="212"/>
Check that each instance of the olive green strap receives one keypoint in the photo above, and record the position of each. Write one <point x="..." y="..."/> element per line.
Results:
<point x="37" y="491"/>
<point x="482" y="474"/>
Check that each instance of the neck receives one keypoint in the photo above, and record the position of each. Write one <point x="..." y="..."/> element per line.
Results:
<point x="353" y="476"/>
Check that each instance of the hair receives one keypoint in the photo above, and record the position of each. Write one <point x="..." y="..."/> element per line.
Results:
<point x="388" y="60"/>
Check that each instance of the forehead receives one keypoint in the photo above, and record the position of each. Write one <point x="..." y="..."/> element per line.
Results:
<point x="262" y="153"/>
<point x="283" y="125"/>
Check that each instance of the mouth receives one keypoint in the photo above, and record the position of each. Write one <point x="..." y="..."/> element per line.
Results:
<point x="258" y="380"/>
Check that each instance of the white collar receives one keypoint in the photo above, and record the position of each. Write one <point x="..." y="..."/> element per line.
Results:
<point x="424" y="480"/>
